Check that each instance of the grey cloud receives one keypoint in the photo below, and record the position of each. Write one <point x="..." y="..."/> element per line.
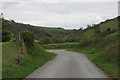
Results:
<point x="67" y="15"/>
<point x="7" y="4"/>
<point x="119" y="8"/>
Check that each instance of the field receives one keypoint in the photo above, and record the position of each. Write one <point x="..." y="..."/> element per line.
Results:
<point x="48" y="28"/>
<point x="60" y="46"/>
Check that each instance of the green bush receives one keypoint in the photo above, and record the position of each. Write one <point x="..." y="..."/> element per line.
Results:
<point x="68" y="38"/>
<point x="7" y="35"/>
<point x="28" y="37"/>
<point x="96" y="42"/>
<point x="111" y="52"/>
<point x="56" y="40"/>
<point x="45" y="40"/>
<point x="51" y="40"/>
<point x="85" y="42"/>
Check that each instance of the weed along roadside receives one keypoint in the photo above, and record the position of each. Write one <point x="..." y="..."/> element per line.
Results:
<point x="21" y="58"/>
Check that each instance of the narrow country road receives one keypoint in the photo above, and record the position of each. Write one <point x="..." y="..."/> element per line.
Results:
<point x="68" y="64"/>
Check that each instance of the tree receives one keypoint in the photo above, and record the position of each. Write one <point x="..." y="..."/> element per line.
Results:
<point x="28" y="38"/>
<point x="6" y="35"/>
<point x="1" y="15"/>
<point x="88" y="26"/>
<point x="68" y="38"/>
<point x="45" y="40"/>
<point x="80" y="29"/>
<point x="108" y="29"/>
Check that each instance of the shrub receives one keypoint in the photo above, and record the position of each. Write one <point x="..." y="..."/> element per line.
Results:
<point x="6" y="35"/>
<point x="28" y="37"/>
<point x="56" y="40"/>
<point x="111" y="52"/>
<point x="51" y="40"/>
<point x="85" y="42"/>
<point x="45" y="40"/>
<point x="68" y="38"/>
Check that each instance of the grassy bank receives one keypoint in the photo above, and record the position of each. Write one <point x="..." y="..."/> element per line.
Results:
<point x="109" y="67"/>
<point x="34" y="59"/>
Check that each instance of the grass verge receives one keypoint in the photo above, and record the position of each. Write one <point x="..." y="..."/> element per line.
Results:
<point x="109" y="67"/>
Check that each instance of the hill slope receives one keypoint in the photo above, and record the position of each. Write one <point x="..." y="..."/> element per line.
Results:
<point x="100" y="43"/>
<point x="38" y="31"/>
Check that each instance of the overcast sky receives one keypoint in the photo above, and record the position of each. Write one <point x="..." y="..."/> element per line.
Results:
<point x="68" y="14"/>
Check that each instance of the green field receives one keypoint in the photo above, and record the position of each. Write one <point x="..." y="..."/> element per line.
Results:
<point x="34" y="59"/>
<point x="48" y="28"/>
<point x="60" y="45"/>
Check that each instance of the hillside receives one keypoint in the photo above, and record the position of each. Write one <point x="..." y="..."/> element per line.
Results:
<point x="50" y="35"/>
<point x="100" y="44"/>
<point x="37" y="30"/>
<point x="110" y="25"/>
<point x="105" y="33"/>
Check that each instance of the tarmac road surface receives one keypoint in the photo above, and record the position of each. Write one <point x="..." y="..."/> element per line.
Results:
<point x="68" y="64"/>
